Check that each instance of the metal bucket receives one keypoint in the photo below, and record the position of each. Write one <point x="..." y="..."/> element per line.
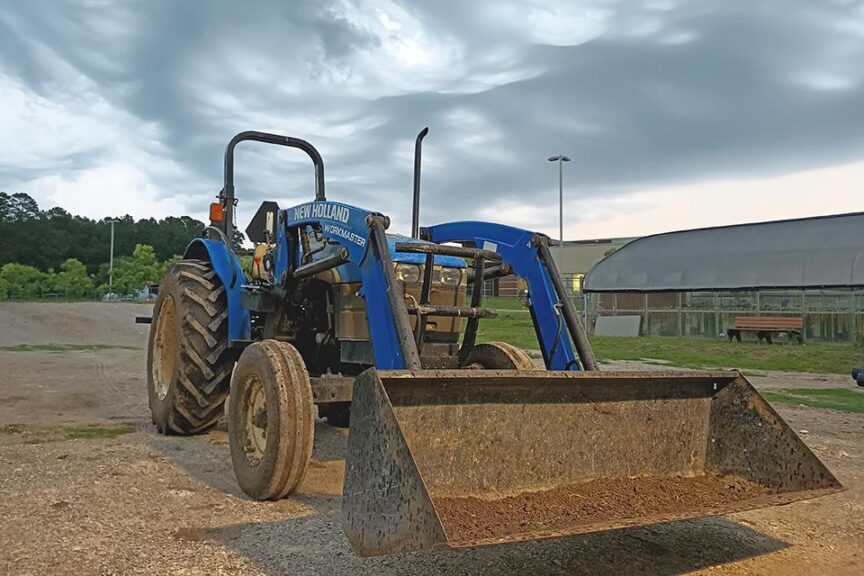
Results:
<point x="462" y="458"/>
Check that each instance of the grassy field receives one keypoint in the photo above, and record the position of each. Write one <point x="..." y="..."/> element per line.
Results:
<point x="835" y="398"/>
<point x="516" y="328"/>
<point x="705" y="353"/>
<point x="504" y="304"/>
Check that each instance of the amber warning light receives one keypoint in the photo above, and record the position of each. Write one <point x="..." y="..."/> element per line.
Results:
<point x="217" y="212"/>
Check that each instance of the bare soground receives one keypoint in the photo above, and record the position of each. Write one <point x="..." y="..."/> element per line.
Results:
<point x="142" y="503"/>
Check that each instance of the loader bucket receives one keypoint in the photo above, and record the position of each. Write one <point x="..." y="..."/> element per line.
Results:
<point x="462" y="458"/>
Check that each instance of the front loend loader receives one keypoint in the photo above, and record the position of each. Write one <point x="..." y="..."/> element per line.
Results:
<point x="451" y="443"/>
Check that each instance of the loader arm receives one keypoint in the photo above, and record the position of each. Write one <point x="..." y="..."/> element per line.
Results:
<point x="551" y="310"/>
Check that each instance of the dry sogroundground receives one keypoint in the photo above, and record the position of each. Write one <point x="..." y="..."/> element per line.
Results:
<point x="141" y="503"/>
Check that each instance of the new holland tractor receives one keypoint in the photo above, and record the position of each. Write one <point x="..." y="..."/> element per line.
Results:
<point x="451" y="443"/>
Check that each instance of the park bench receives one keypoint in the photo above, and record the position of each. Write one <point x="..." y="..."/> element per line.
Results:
<point x="766" y="326"/>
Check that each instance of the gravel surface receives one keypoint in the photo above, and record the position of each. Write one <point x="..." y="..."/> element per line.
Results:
<point x="146" y="504"/>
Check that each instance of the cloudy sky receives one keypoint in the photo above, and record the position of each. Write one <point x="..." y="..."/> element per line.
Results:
<point x="676" y="114"/>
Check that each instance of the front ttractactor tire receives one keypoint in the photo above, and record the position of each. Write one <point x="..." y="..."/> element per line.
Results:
<point x="271" y="420"/>
<point x="188" y="361"/>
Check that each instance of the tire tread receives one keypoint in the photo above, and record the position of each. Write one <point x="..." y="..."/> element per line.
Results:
<point x="204" y="374"/>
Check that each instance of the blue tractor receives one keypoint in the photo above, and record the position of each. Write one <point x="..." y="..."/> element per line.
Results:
<point x="339" y="320"/>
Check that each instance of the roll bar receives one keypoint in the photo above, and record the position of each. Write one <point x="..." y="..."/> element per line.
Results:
<point x="226" y="196"/>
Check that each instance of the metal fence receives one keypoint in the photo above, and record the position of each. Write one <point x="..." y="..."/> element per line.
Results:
<point x="829" y="315"/>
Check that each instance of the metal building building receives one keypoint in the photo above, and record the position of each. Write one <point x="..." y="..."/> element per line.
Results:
<point x="695" y="282"/>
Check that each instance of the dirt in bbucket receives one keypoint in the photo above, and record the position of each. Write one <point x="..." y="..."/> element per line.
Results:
<point x="469" y="519"/>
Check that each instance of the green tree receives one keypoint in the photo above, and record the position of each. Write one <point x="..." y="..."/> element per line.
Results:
<point x="61" y="235"/>
<point x="73" y="279"/>
<point x="49" y="282"/>
<point x="134" y="273"/>
<point x="17" y="207"/>
<point x="24" y="281"/>
<point x="237" y="240"/>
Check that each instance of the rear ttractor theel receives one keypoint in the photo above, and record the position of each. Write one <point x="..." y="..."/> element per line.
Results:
<point x="187" y="354"/>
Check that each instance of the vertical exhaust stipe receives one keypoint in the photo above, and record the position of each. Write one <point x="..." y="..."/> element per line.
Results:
<point x="415" y="213"/>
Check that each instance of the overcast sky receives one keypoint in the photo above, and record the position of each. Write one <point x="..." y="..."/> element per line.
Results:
<point x="675" y="114"/>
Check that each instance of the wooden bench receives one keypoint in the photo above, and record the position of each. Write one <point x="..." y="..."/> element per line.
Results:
<point x="766" y="326"/>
